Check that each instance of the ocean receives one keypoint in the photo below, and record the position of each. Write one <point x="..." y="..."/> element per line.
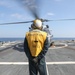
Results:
<point x="22" y="39"/>
<point x="11" y="39"/>
<point x="63" y="38"/>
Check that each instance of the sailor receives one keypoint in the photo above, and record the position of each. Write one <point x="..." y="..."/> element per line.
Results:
<point x="47" y="30"/>
<point x="35" y="47"/>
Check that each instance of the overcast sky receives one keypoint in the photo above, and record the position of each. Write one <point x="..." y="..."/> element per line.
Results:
<point x="13" y="11"/>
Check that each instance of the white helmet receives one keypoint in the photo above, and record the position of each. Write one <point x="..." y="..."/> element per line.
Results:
<point x="37" y="23"/>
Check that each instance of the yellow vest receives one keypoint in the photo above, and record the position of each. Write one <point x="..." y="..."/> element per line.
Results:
<point x="36" y="39"/>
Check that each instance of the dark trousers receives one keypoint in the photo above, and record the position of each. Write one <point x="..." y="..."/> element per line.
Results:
<point x="39" y="67"/>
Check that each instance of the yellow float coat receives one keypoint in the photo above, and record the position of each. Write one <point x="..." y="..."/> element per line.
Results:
<point x="36" y="39"/>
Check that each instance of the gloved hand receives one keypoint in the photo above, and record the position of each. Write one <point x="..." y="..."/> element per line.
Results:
<point x="35" y="60"/>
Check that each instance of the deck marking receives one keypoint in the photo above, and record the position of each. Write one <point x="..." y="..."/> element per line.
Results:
<point x="65" y="45"/>
<point x="48" y="63"/>
<point x="47" y="69"/>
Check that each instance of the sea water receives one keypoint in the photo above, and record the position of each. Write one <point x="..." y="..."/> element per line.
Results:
<point x="63" y="39"/>
<point x="11" y="39"/>
<point x="22" y="39"/>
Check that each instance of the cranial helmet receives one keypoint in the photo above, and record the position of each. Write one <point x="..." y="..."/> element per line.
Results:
<point x="37" y="23"/>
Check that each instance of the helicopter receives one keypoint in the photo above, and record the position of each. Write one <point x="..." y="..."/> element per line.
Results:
<point x="32" y="6"/>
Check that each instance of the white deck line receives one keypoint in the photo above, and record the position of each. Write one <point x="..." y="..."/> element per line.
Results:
<point x="26" y="63"/>
<point x="47" y="69"/>
<point x="65" y="45"/>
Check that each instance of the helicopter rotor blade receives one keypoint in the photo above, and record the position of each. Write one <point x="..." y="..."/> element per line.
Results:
<point x="59" y="20"/>
<point x="43" y="20"/>
<point x="16" y="23"/>
<point x="32" y="6"/>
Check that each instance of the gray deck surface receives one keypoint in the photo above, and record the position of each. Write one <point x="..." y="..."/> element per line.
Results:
<point x="15" y="53"/>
